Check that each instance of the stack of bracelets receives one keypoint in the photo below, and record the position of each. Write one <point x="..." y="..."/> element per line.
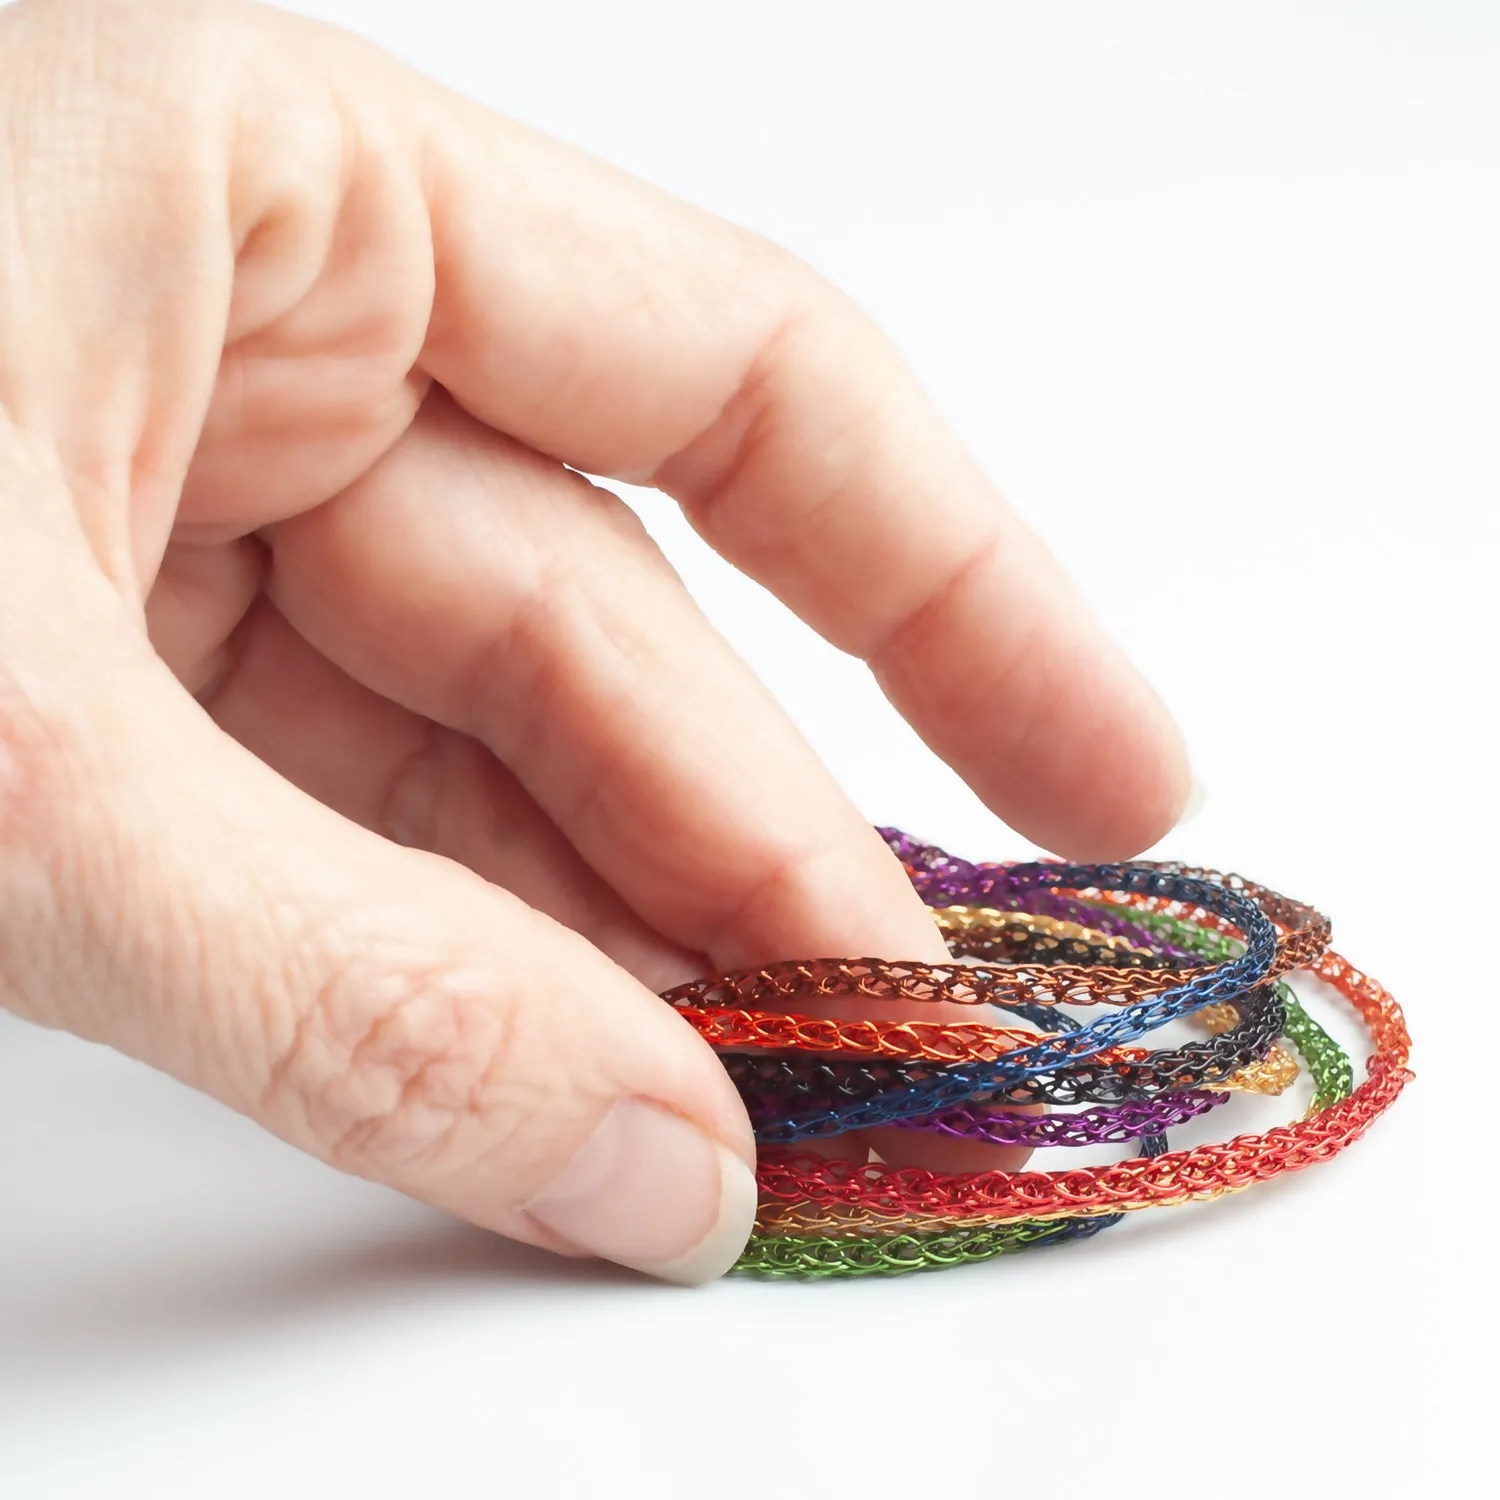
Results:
<point x="1153" y="942"/>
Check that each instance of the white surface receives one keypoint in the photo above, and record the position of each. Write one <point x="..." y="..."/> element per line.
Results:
<point x="1213" y="291"/>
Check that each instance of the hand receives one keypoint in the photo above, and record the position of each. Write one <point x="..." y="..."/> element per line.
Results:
<point x="363" y="765"/>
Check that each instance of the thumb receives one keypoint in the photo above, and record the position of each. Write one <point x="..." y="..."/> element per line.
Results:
<point x="164" y="892"/>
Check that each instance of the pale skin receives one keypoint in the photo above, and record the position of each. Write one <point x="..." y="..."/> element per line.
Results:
<point x="363" y="765"/>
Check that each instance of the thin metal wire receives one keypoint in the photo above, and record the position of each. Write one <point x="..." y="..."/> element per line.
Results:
<point x="1158" y="941"/>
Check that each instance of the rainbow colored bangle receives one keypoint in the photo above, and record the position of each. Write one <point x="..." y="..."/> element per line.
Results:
<point x="1180" y="940"/>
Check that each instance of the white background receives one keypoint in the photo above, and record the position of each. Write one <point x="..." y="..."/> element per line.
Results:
<point x="1213" y="291"/>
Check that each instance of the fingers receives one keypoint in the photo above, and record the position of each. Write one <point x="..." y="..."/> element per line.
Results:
<point x="165" y="893"/>
<point x="658" y="344"/>
<point x="488" y="589"/>
<point x="348" y="230"/>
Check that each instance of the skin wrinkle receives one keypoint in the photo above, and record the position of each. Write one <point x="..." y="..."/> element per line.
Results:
<point x="623" y="703"/>
<point x="887" y="656"/>
<point x="552" y="595"/>
<point x="702" y="497"/>
<point x="269" y="219"/>
<point x="602" y="917"/>
<point x="781" y="872"/>
<point x="281" y="1095"/>
<point x="401" y="1134"/>
<point x="366" y="1053"/>
<point x="291" y="927"/>
<point x="494" y="662"/>
<point x="815" y="321"/>
<point x="890" y="640"/>
<point x="230" y="397"/>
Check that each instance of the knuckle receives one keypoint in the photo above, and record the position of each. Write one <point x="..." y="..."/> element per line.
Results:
<point x="394" y="1071"/>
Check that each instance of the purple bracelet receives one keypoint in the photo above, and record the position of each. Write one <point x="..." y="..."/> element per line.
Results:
<point x="1100" y="1125"/>
<point x="942" y="879"/>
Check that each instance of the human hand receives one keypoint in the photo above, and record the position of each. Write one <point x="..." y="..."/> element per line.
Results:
<point x="363" y="766"/>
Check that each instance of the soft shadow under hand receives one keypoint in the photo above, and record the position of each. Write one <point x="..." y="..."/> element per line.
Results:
<point x="178" y="1305"/>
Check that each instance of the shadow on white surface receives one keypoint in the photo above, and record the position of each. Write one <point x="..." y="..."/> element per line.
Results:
<point x="148" y="1224"/>
<point x="182" y="1304"/>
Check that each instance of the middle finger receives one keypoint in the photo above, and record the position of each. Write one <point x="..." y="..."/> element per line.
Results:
<point x="494" y="591"/>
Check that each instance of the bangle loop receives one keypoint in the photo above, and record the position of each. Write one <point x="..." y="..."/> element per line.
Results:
<point x="1155" y="943"/>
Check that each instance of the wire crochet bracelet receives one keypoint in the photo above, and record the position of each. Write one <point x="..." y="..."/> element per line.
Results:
<point x="987" y="933"/>
<point x="1156" y="943"/>
<point x="791" y="1244"/>
<point x="1159" y="995"/>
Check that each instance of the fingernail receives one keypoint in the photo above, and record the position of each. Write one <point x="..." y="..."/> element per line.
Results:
<point x="650" y="1191"/>
<point x="1196" y="798"/>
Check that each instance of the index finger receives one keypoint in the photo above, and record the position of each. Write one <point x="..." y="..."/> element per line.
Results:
<point x="632" y="336"/>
